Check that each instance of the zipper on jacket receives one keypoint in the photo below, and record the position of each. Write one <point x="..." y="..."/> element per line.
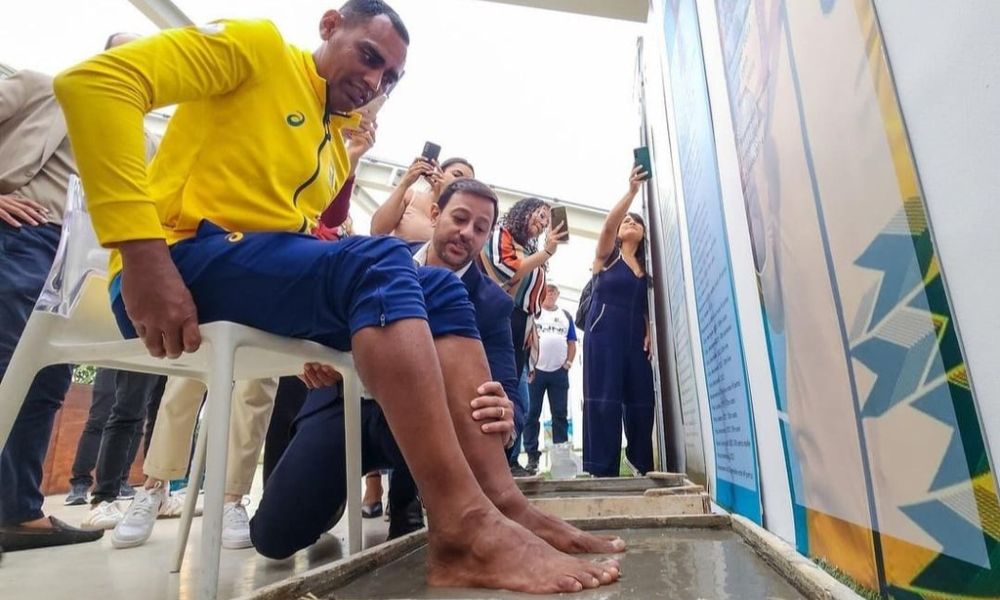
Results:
<point x="319" y="162"/>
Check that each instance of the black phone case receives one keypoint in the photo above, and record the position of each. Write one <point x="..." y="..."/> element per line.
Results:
<point x="431" y="151"/>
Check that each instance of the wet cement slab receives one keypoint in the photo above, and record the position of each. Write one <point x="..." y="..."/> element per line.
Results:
<point x="605" y="485"/>
<point x="583" y="494"/>
<point x="679" y="564"/>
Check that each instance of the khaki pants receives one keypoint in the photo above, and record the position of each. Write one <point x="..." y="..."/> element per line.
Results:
<point x="170" y="447"/>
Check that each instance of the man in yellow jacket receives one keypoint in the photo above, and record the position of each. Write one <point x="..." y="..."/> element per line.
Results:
<point x="215" y="231"/>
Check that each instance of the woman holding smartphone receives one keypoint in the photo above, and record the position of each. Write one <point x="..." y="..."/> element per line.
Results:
<point x="512" y="259"/>
<point x="617" y="377"/>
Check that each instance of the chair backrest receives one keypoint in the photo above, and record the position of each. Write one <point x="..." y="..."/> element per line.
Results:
<point x="77" y="285"/>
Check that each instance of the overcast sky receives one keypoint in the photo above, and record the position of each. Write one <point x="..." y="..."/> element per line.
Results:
<point x="539" y="101"/>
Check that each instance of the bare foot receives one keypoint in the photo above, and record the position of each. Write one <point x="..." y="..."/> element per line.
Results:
<point x="481" y="554"/>
<point x="560" y="534"/>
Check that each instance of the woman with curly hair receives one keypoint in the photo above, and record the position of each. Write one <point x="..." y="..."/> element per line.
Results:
<point x="512" y="259"/>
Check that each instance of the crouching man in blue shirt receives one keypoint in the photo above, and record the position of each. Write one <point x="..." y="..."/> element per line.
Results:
<point x="307" y="491"/>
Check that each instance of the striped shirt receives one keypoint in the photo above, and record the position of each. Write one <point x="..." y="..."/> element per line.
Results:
<point x="501" y="258"/>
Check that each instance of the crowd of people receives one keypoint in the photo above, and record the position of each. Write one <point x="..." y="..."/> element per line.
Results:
<point x="242" y="214"/>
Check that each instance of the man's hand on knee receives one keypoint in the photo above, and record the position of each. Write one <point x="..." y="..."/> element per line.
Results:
<point x="156" y="299"/>
<point x="316" y="375"/>
<point x="495" y="408"/>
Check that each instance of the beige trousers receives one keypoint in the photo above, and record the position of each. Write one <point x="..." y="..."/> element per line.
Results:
<point x="170" y="447"/>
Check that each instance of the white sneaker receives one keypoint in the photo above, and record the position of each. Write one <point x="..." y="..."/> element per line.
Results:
<point x="173" y="506"/>
<point x="137" y="525"/>
<point x="235" y="526"/>
<point x="105" y="515"/>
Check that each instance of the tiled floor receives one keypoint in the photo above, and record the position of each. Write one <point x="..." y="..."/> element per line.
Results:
<point x="98" y="571"/>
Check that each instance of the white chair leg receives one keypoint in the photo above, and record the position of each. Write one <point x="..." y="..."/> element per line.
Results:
<point x="27" y="361"/>
<point x="191" y="498"/>
<point x="352" y="438"/>
<point x="220" y="393"/>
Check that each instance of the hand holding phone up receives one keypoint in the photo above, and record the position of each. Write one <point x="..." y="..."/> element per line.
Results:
<point x="431" y="154"/>
<point x="420" y="167"/>
<point x="642" y="160"/>
<point x="560" y="225"/>
<point x="636" y="179"/>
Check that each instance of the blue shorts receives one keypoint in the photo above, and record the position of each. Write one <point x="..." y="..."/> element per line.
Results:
<point x="296" y="285"/>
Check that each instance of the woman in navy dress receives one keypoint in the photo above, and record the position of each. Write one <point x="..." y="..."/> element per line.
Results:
<point x="617" y="377"/>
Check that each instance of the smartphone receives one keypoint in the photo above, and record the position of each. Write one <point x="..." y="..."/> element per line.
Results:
<point x="559" y="216"/>
<point x="641" y="155"/>
<point x="431" y="151"/>
<point x="370" y="111"/>
<point x="368" y="114"/>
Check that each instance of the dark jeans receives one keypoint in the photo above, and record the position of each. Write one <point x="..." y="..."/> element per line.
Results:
<point x="26" y="255"/>
<point x="90" y="439"/>
<point x="308" y="488"/>
<point x="514" y="451"/>
<point x="134" y="393"/>
<point x="518" y="325"/>
<point x="288" y="401"/>
<point x="556" y="384"/>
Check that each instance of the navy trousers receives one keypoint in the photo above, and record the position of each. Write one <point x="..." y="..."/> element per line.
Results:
<point x="617" y="391"/>
<point x="26" y="255"/>
<point x="288" y="402"/>
<point x="515" y="451"/>
<point x="556" y="385"/>
<point x="307" y="490"/>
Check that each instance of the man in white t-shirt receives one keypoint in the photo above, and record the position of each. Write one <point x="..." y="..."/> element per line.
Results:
<point x="556" y="350"/>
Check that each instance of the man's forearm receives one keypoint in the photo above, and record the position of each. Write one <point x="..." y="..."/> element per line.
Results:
<point x="528" y="264"/>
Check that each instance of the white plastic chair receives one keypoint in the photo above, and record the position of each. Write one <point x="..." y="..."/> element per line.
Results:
<point x="72" y="323"/>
